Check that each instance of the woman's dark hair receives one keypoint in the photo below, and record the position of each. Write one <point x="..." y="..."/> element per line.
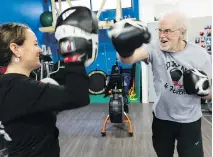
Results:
<point x="10" y="33"/>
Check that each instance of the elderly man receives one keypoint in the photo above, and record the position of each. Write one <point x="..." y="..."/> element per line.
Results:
<point x="177" y="109"/>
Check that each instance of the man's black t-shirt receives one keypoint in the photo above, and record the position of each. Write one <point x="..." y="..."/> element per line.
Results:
<point x="26" y="110"/>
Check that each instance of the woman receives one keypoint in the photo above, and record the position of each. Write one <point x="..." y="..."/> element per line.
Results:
<point x="26" y="105"/>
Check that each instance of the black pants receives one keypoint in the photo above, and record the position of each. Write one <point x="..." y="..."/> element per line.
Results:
<point x="188" y="136"/>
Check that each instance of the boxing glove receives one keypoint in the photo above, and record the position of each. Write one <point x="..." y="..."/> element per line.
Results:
<point x="77" y="34"/>
<point x="196" y="82"/>
<point x="127" y="35"/>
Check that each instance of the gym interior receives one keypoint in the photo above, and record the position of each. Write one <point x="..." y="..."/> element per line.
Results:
<point x="89" y="131"/>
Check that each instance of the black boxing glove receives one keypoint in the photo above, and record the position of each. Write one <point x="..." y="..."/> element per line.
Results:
<point x="77" y="34"/>
<point x="128" y="35"/>
<point x="196" y="82"/>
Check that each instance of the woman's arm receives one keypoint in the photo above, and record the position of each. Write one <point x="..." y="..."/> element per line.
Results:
<point x="26" y="96"/>
<point x="74" y="94"/>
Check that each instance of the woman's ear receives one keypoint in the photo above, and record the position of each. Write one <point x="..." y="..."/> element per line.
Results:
<point x="14" y="49"/>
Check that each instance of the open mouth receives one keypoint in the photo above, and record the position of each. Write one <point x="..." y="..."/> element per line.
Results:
<point x="163" y="41"/>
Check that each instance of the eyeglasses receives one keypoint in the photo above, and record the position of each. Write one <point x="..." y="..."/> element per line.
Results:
<point x="166" y="31"/>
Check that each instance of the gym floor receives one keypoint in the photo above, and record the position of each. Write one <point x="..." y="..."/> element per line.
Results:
<point x="80" y="133"/>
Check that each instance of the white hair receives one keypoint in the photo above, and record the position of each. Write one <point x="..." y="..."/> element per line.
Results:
<point x="180" y="17"/>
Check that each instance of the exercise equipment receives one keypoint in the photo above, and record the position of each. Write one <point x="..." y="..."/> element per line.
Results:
<point x="34" y="74"/>
<point x="116" y="105"/>
<point x="97" y="82"/>
<point x="112" y="80"/>
<point x="206" y="106"/>
<point x="209" y="105"/>
<point x="46" y="19"/>
<point x="45" y="65"/>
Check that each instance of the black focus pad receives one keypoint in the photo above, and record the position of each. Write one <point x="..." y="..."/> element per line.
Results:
<point x="80" y="17"/>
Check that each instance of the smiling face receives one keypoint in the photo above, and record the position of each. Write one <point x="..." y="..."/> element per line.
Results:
<point x="170" y="32"/>
<point x="19" y="50"/>
<point x="30" y="51"/>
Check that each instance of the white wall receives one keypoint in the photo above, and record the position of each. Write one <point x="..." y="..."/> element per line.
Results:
<point x="193" y="8"/>
<point x="196" y="8"/>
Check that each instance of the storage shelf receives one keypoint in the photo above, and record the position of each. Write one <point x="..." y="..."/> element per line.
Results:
<point x="108" y="24"/>
<point x="102" y="25"/>
<point x="50" y="29"/>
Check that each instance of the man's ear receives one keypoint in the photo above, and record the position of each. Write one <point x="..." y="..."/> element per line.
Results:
<point x="183" y="33"/>
<point x="14" y="48"/>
